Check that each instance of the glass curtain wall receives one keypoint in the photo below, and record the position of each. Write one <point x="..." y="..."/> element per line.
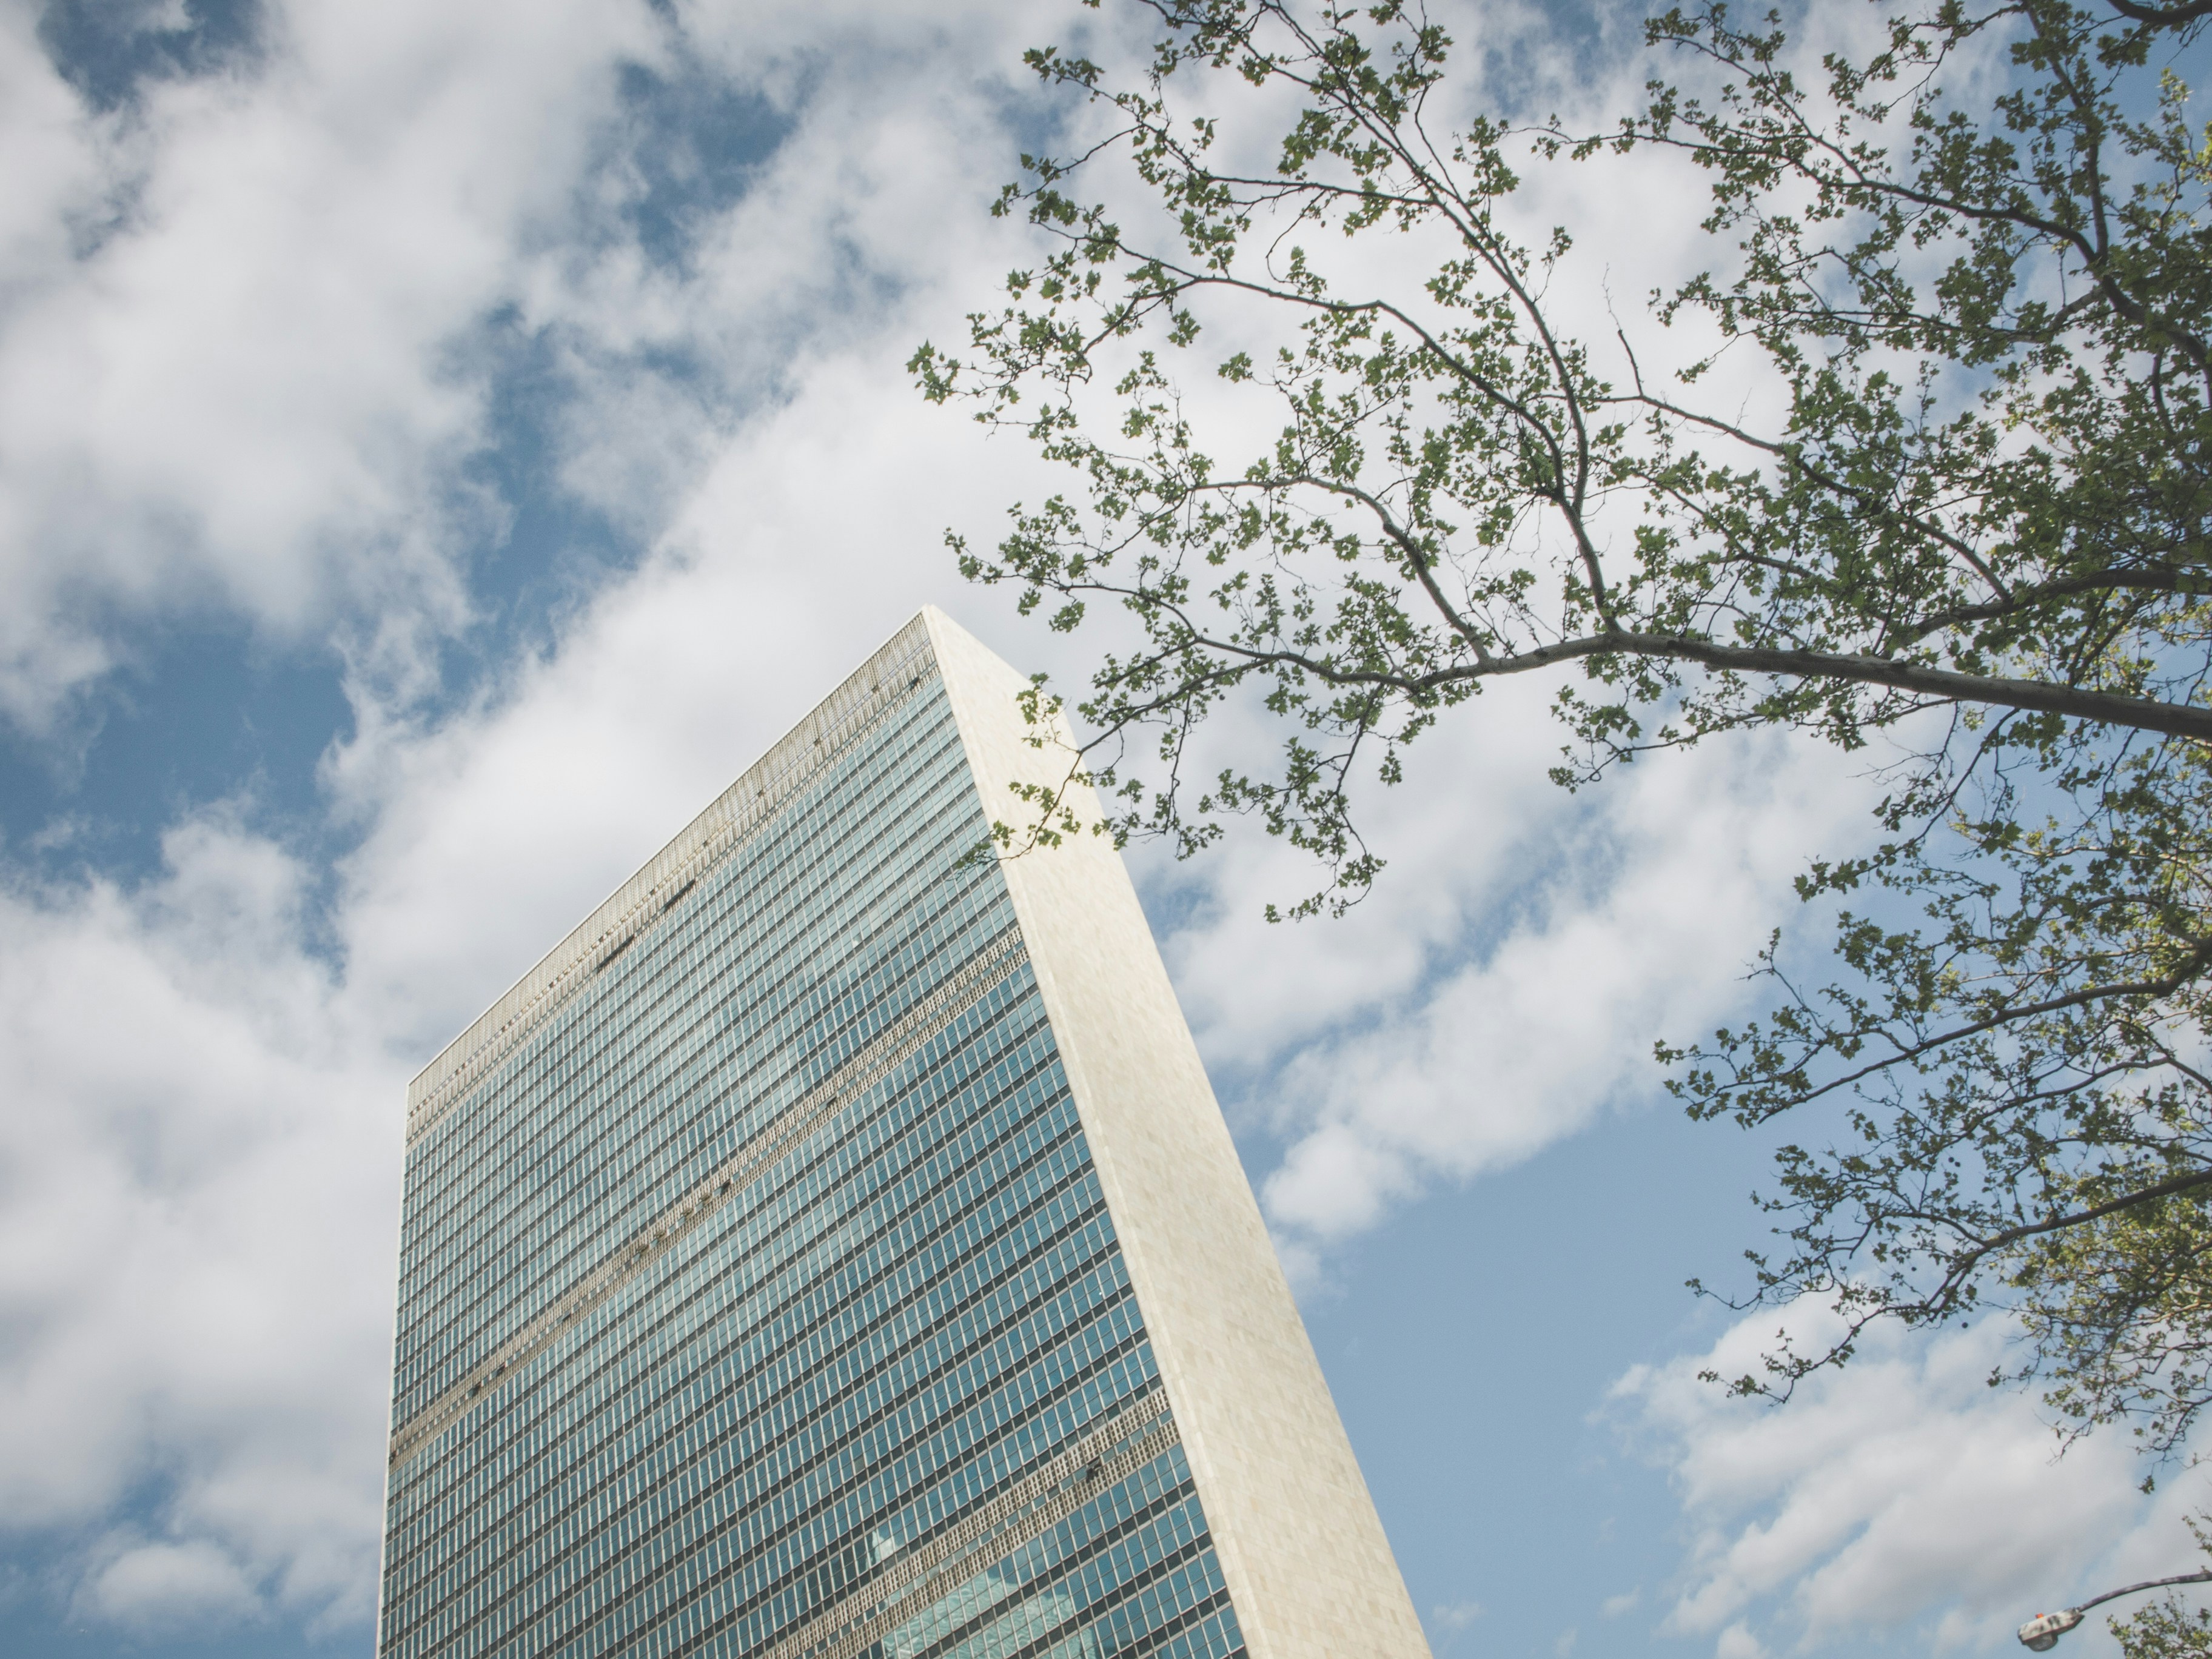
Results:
<point x="763" y="1300"/>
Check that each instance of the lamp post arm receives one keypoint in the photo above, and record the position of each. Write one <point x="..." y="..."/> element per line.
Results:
<point x="2205" y="1577"/>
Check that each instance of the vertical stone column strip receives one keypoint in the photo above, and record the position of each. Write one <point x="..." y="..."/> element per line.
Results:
<point x="1302" y="1550"/>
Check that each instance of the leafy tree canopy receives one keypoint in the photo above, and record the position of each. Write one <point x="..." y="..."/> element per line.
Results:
<point x="1935" y="474"/>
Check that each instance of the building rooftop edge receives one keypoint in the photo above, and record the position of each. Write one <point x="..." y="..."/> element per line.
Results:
<point x="755" y="794"/>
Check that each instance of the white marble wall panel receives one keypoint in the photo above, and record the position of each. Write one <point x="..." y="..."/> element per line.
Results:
<point x="1303" y="1554"/>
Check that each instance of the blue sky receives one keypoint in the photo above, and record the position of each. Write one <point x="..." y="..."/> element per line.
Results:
<point x="439" y="448"/>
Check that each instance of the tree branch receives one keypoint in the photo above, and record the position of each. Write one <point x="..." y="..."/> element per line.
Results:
<point x="1982" y="1249"/>
<point x="2148" y="987"/>
<point x="2162" y="17"/>
<point x="2077" y="702"/>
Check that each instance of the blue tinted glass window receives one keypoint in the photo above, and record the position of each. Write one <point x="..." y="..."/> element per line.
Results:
<point x="761" y="1298"/>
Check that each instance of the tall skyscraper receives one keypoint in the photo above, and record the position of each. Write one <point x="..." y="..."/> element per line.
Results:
<point x="833" y="1250"/>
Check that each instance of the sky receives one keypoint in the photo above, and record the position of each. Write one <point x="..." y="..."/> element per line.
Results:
<point x="440" y="447"/>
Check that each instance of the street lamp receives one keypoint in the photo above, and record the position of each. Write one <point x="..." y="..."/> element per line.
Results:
<point x="2041" y="1633"/>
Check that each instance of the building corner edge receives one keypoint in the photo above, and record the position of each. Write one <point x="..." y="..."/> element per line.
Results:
<point x="1301" y="1546"/>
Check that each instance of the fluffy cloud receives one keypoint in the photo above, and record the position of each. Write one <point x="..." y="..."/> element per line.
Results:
<point x="257" y="327"/>
<point x="1902" y="1494"/>
<point x="200" y="1165"/>
<point x="1504" y="987"/>
<point x="155" y="1587"/>
<point x="224" y="382"/>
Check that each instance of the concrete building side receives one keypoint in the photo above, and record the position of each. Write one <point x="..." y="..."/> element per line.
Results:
<point x="1301" y="1549"/>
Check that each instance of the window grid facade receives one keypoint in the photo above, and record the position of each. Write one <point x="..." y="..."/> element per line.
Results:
<point x="887" y="1334"/>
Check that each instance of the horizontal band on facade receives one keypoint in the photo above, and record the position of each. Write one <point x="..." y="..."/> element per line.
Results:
<point x="989" y="968"/>
<point x="881" y="684"/>
<point x="924" y="1573"/>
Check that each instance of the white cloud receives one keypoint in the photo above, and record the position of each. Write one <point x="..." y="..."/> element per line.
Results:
<point x="1456" y="1617"/>
<point x="1902" y="1493"/>
<point x="234" y="394"/>
<point x="152" y="1587"/>
<point x="254" y="390"/>
<point x="201" y="1165"/>
<point x="1503" y="988"/>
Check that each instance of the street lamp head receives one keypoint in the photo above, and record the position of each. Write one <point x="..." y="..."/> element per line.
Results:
<point x="2040" y="1634"/>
